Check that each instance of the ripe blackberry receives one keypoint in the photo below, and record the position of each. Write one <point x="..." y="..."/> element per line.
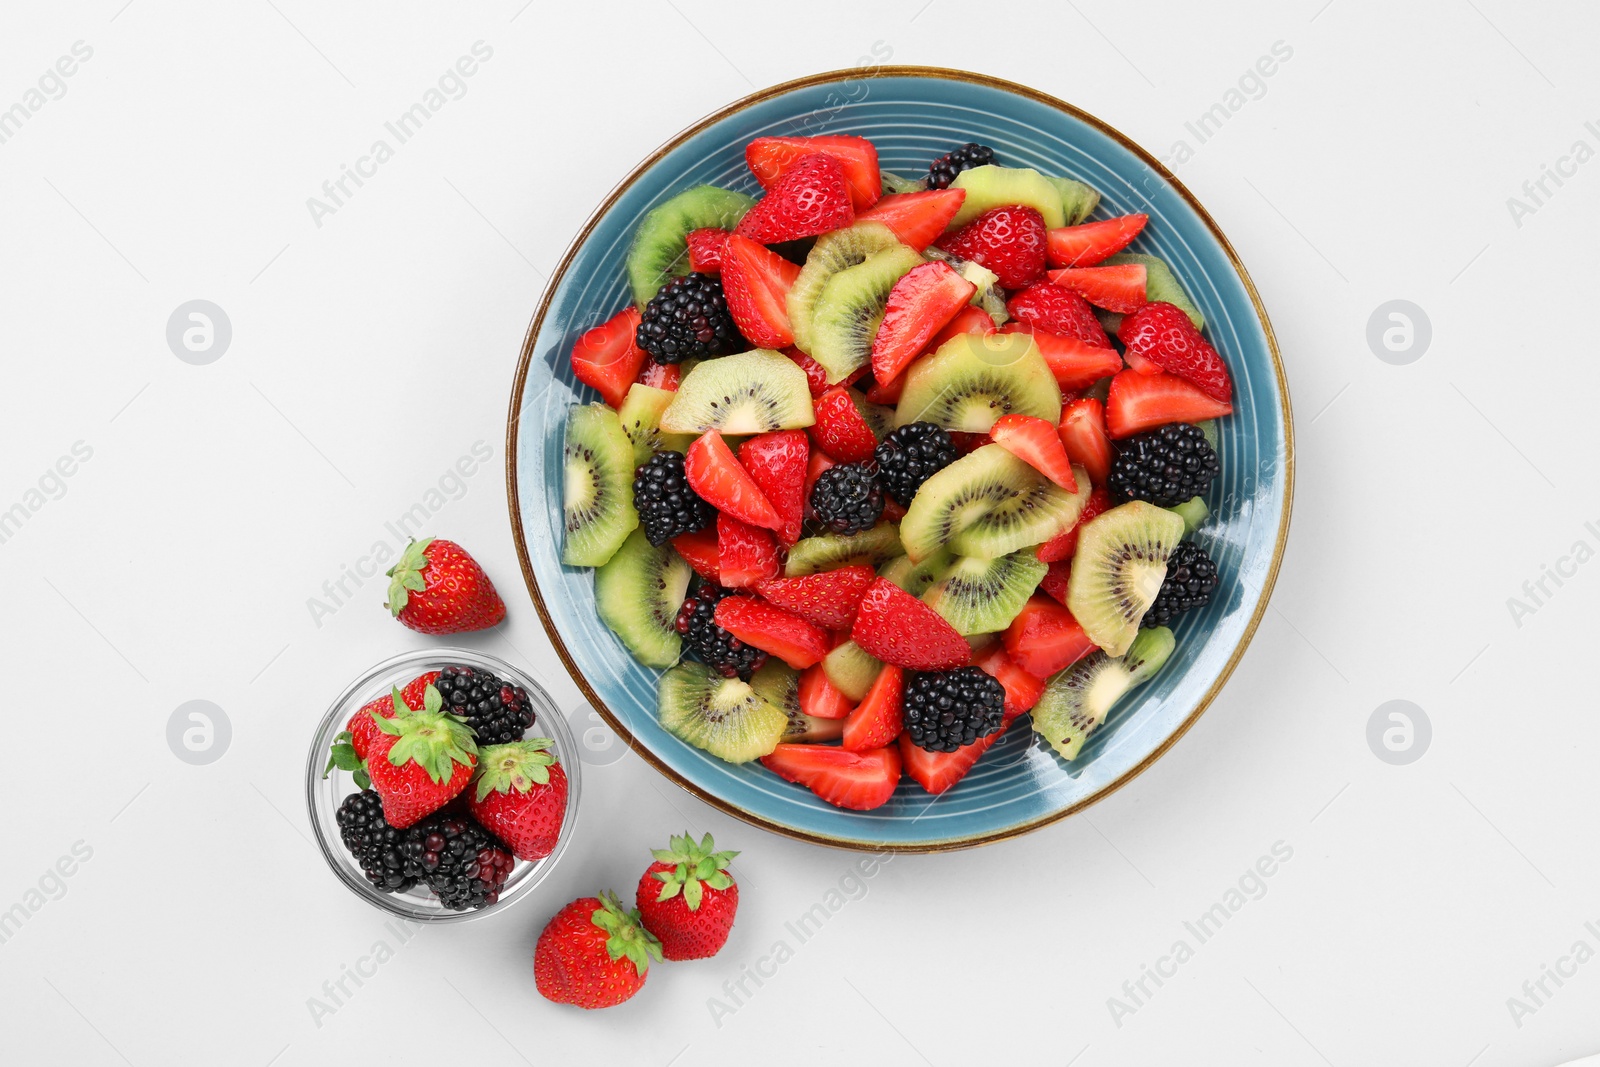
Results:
<point x="943" y="171"/>
<point x="459" y="860"/>
<point x="1165" y="466"/>
<point x="688" y="319"/>
<point x="375" y="844"/>
<point x="667" y="506"/>
<point x="497" y="711"/>
<point x="947" y="709"/>
<point x="847" y="499"/>
<point x="716" y="647"/>
<point x="1190" y="581"/>
<point x="910" y="456"/>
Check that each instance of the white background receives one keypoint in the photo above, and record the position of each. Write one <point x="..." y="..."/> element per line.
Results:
<point x="371" y="352"/>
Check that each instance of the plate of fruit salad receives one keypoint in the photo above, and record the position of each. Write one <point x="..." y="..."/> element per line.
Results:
<point x="900" y="461"/>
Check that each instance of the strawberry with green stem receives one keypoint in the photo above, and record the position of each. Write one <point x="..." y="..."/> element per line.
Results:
<point x="420" y="760"/>
<point x="593" y="954"/>
<point x="436" y="587"/>
<point x="520" y="796"/>
<point x="688" y="899"/>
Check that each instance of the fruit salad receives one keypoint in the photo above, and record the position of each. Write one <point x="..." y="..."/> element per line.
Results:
<point x="882" y="465"/>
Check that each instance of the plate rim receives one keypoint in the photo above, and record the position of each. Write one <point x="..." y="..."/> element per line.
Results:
<point x="525" y="360"/>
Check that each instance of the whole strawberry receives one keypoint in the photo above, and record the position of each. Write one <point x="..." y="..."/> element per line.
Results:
<point x="687" y="898"/>
<point x="520" y="796"/>
<point x="420" y="760"/>
<point x="437" y="588"/>
<point x="1010" y="241"/>
<point x="593" y="954"/>
<point x="812" y="197"/>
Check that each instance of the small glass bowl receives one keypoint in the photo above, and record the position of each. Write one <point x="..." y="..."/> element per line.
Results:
<point x="324" y="795"/>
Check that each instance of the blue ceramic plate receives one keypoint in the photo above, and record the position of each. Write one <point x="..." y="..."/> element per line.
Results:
<point x="913" y="114"/>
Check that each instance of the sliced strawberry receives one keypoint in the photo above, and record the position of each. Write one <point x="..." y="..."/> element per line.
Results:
<point x="859" y="781"/>
<point x="896" y="627"/>
<point x="1064" y="544"/>
<point x="1044" y="638"/>
<point x="818" y="463"/>
<point x="771" y="629"/>
<point x="746" y="555"/>
<point x="816" y="377"/>
<point x="1139" y="402"/>
<point x="705" y="250"/>
<point x="1059" y="311"/>
<point x="968" y="442"/>
<point x="1056" y="578"/>
<point x="879" y="718"/>
<point x="756" y="283"/>
<point x="828" y="599"/>
<point x="1076" y="364"/>
<point x="1119" y="288"/>
<point x="888" y="392"/>
<point x="1036" y="442"/>
<point x="810" y="197"/>
<point x="1139" y="363"/>
<point x="607" y="357"/>
<point x="917" y="219"/>
<point x="841" y="430"/>
<point x="776" y="462"/>
<point x="720" y="481"/>
<point x="938" y="771"/>
<point x="700" y="549"/>
<point x="1008" y="240"/>
<point x="1163" y="334"/>
<point x="1023" y="690"/>
<point x="969" y="319"/>
<point x="1089" y="243"/>
<point x="1083" y="434"/>
<point x="820" y="698"/>
<point x="919" y="306"/>
<point x="661" y="375"/>
<point x="769" y="158"/>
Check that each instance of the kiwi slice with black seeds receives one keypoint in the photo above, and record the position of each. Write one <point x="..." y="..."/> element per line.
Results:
<point x="915" y="578"/>
<point x="1078" y="699"/>
<point x="850" y="308"/>
<point x="597" y="511"/>
<point x="641" y="419"/>
<point x="1118" y="568"/>
<point x="751" y="392"/>
<point x="827" y="552"/>
<point x="971" y="381"/>
<point x="833" y="252"/>
<point x="992" y="186"/>
<point x="779" y="685"/>
<point x="980" y="596"/>
<point x="660" y="249"/>
<point x="723" y="716"/>
<point x="638" y="592"/>
<point x="989" y="504"/>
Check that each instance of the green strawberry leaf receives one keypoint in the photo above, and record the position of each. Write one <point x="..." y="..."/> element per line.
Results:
<point x="406" y="575"/>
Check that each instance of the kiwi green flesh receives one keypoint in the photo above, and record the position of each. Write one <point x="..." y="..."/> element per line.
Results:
<point x="779" y="685"/>
<point x="994" y="186"/>
<point x="893" y="183"/>
<point x="637" y="593"/>
<point x="832" y="253"/>
<point x="597" y="511"/>
<point x="723" y="716"/>
<point x="1078" y="700"/>
<point x="851" y="669"/>
<point x="751" y="392"/>
<point x="1118" y="568"/>
<point x="1078" y="200"/>
<point x="641" y="419"/>
<point x="1161" y="284"/>
<point x="660" y="249"/>
<point x="980" y="596"/>
<point x="988" y="503"/>
<point x="915" y="578"/>
<point x="1038" y="512"/>
<point x="971" y="381"/>
<point x="850" y="308"/>
<point x="826" y="552"/>
<point x="1193" y="512"/>
<point x="1209" y="428"/>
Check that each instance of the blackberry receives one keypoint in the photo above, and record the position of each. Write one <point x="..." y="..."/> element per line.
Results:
<point x="847" y="499"/>
<point x="375" y="844"/>
<point x="667" y="506"/>
<point x="497" y="711"/>
<point x="1165" y="466"/>
<point x="910" y="456"/>
<point x="1190" y="581"/>
<point x="688" y="319"/>
<point x="459" y="860"/>
<point x="947" y="709"/>
<point x="716" y="647"/>
<point x="943" y="171"/>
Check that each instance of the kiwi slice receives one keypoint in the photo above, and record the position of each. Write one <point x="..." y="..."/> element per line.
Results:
<point x="779" y="685"/>
<point x="638" y="592"/>
<point x="1161" y="284"/>
<point x="972" y="381"/>
<point x="826" y="552"/>
<point x="1118" y="568"/>
<point x="1078" y="200"/>
<point x="989" y="504"/>
<point x="980" y="596"/>
<point x="752" y="392"/>
<point x="851" y="669"/>
<point x="833" y="252"/>
<point x="597" y="491"/>
<point x="660" y="249"/>
<point x="893" y="183"/>
<point x="724" y="716"/>
<point x="850" y="308"/>
<point x="641" y="418"/>
<point x="915" y="578"/>
<point x="996" y="186"/>
<point x="1078" y="699"/>
<point x="1193" y="512"/>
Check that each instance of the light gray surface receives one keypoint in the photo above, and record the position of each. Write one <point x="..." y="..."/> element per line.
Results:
<point x="370" y="353"/>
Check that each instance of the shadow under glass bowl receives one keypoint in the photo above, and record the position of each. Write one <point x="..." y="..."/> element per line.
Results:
<point x="912" y="115"/>
<point x="324" y="795"/>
